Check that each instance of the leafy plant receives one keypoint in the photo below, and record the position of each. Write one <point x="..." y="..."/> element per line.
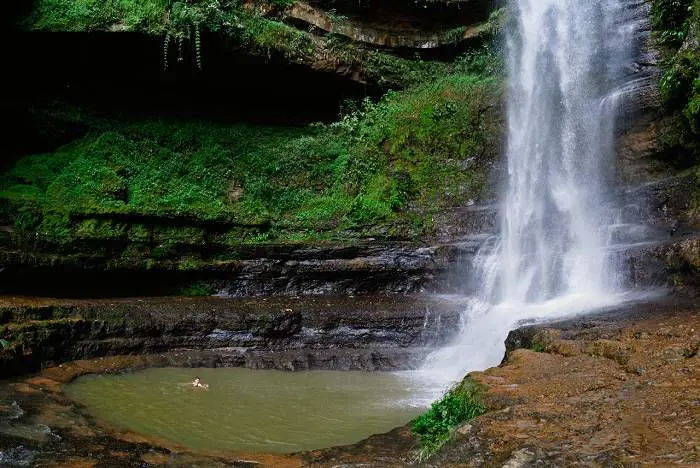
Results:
<point x="184" y="22"/>
<point x="680" y="83"/>
<point x="335" y="16"/>
<point x="435" y="427"/>
<point x="282" y="3"/>
<point x="4" y="344"/>
<point x="671" y="18"/>
<point x="537" y="347"/>
<point x="197" y="289"/>
<point x="88" y="15"/>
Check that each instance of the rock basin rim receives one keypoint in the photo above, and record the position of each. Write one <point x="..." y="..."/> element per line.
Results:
<point x="39" y="395"/>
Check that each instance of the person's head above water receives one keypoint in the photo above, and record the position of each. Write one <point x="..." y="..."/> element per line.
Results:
<point x="198" y="383"/>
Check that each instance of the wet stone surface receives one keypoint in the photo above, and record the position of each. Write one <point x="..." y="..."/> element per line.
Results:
<point x="341" y="333"/>
<point x="617" y="388"/>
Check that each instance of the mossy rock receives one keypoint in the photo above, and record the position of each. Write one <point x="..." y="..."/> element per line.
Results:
<point x="163" y="188"/>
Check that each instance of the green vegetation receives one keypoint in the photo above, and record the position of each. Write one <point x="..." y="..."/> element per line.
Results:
<point x="253" y="28"/>
<point x="171" y="192"/>
<point x="672" y="18"/>
<point x="382" y="170"/>
<point x="197" y="289"/>
<point x="89" y="15"/>
<point x="677" y="25"/>
<point x="435" y="427"/>
<point x="3" y="342"/>
<point x="537" y="347"/>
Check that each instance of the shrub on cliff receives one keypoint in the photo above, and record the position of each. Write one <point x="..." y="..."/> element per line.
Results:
<point x="672" y="18"/>
<point x="677" y="25"/>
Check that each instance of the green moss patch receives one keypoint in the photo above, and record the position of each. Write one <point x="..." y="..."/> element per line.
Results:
<point x="87" y="15"/>
<point x="197" y="289"/>
<point x="382" y="170"/>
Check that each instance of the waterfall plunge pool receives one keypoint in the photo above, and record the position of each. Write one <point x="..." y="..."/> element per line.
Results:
<point x="253" y="410"/>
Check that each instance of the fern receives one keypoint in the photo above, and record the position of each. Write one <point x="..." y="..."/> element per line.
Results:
<point x="198" y="46"/>
<point x="184" y="23"/>
<point x="166" y="46"/>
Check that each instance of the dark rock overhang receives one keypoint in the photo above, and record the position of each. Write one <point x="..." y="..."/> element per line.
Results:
<point x="387" y="36"/>
<point x="371" y="43"/>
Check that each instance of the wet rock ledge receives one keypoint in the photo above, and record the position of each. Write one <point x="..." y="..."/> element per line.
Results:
<point x="343" y="333"/>
<point x="619" y="388"/>
<point x="41" y="426"/>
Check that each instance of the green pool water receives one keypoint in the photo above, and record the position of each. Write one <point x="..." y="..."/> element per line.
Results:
<point x="253" y="410"/>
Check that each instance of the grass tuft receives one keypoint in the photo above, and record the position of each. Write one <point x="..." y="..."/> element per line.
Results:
<point x="435" y="427"/>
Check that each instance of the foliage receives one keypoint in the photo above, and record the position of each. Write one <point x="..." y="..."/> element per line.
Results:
<point x="267" y="36"/>
<point x="680" y="78"/>
<point x="537" y="347"/>
<point x="461" y="403"/>
<point x="282" y="3"/>
<point x="671" y="18"/>
<point x="677" y="24"/>
<point x="89" y="15"/>
<point x="197" y="289"/>
<point x="335" y="16"/>
<point x="421" y="137"/>
<point x="384" y="166"/>
<point x="252" y="27"/>
<point x="496" y="21"/>
<point x="3" y="342"/>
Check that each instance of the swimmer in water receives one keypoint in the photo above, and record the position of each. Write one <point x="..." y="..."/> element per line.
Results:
<point x="198" y="384"/>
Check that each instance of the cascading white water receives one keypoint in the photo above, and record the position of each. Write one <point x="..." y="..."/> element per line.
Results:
<point x="566" y="59"/>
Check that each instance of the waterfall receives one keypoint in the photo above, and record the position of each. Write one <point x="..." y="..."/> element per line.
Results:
<point x="567" y="60"/>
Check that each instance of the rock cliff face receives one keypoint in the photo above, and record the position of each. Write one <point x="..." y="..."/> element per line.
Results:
<point x="607" y="390"/>
<point x="655" y="142"/>
<point x="662" y="193"/>
<point x="337" y="333"/>
<point x="616" y="388"/>
<point x="392" y="198"/>
<point x="248" y="206"/>
<point x="390" y="228"/>
<point x="642" y="107"/>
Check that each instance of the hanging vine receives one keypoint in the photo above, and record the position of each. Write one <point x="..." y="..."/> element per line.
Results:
<point x="198" y="45"/>
<point x="184" y="23"/>
<point x="166" y="46"/>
